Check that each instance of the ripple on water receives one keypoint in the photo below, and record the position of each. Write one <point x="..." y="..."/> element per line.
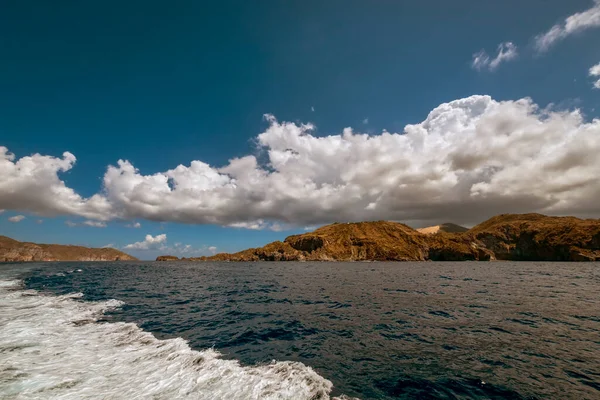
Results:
<point x="385" y="332"/>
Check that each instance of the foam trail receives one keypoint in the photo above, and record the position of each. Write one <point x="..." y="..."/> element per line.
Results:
<point x="51" y="347"/>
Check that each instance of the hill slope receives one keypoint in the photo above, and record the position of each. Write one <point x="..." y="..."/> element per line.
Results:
<point x="363" y="241"/>
<point x="537" y="237"/>
<point x="12" y="250"/>
<point x="517" y="237"/>
<point x="447" y="227"/>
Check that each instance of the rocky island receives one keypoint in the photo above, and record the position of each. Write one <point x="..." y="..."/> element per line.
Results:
<point x="14" y="251"/>
<point x="518" y="237"/>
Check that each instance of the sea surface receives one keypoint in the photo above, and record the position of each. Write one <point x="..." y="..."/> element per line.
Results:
<point x="146" y="330"/>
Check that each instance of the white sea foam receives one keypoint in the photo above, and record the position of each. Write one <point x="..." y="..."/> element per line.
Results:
<point x="51" y="347"/>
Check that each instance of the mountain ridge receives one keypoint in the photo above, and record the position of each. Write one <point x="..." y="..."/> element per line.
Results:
<point x="518" y="237"/>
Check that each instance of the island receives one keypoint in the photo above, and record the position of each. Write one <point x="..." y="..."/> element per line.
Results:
<point x="516" y="237"/>
<point x="14" y="251"/>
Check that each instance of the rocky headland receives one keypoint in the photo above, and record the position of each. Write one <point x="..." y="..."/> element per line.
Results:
<point x="518" y="237"/>
<point x="14" y="251"/>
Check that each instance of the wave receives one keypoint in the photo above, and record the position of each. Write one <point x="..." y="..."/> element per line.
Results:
<point x="54" y="347"/>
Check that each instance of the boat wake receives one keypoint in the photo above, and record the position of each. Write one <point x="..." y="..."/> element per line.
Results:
<point x="54" y="347"/>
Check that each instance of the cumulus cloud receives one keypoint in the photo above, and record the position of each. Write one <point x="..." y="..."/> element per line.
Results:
<point x="31" y="183"/>
<point x="573" y="24"/>
<point x="150" y="242"/>
<point x="469" y="159"/>
<point x="507" y="51"/>
<point x="17" y="218"/>
<point x="94" y="224"/>
<point x="465" y="161"/>
<point x="595" y="73"/>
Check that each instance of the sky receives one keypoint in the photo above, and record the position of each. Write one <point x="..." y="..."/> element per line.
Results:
<point x="190" y="127"/>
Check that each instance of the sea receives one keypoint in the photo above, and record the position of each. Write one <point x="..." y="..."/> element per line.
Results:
<point x="366" y="330"/>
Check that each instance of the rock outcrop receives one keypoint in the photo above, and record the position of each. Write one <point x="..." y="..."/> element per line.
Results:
<point x="14" y="251"/>
<point x="519" y="237"/>
<point x="536" y="237"/>
<point x="167" y="258"/>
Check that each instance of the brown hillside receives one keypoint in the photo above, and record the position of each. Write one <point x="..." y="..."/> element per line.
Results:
<point x="12" y="250"/>
<point x="504" y="237"/>
<point x="379" y="241"/>
<point x="539" y="237"/>
<point x="363" y="241"/>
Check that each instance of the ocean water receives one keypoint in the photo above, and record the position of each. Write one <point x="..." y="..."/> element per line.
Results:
<point x="300" y="330"/>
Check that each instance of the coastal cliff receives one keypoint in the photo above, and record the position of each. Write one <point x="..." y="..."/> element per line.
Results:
<point x="536" y="237"/>
<point x="519" y="237"/>
<point x="14" y="251"/>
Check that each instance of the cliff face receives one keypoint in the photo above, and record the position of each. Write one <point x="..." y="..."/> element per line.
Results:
<point x="14" y="251"/>
<point x="536" y="237"/>
<point x="504" y="237"/>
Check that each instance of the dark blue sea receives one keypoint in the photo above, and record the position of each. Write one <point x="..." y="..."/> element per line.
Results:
<point x="147" y="330"/>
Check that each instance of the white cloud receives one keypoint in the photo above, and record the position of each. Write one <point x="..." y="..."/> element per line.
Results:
<point x="149" y="243"/>
<point x="94" y="224"/>
<point x="466" y="161"/>
<point x="212" y="249"/>
<point x="252" y="225"/>
<point x="17" y="218"/>
<point x="31" y="183"/>
<point x="134" y="225"/>
<point x="507" y="51"/>
<point x="109" y="246"/>
<point x="312" y="108"/>
<point x="1" y="211"/>
<point x="575" y="23"/>
<point x="40" y="221"/>
<point x="365" y="121"/>
<point x="70" y="224"/>
<point x="595" y="72"/>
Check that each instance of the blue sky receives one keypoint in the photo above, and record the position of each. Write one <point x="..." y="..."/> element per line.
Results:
<point x="162" y="84"/>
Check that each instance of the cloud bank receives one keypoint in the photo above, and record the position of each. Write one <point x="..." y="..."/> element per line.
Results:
<point x="469" y="159"/>
<point x="573" y="24"/>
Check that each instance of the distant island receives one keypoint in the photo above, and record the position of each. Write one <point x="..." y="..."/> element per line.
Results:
<point x="518" y="237"/>
<point x="14" y="251"/>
